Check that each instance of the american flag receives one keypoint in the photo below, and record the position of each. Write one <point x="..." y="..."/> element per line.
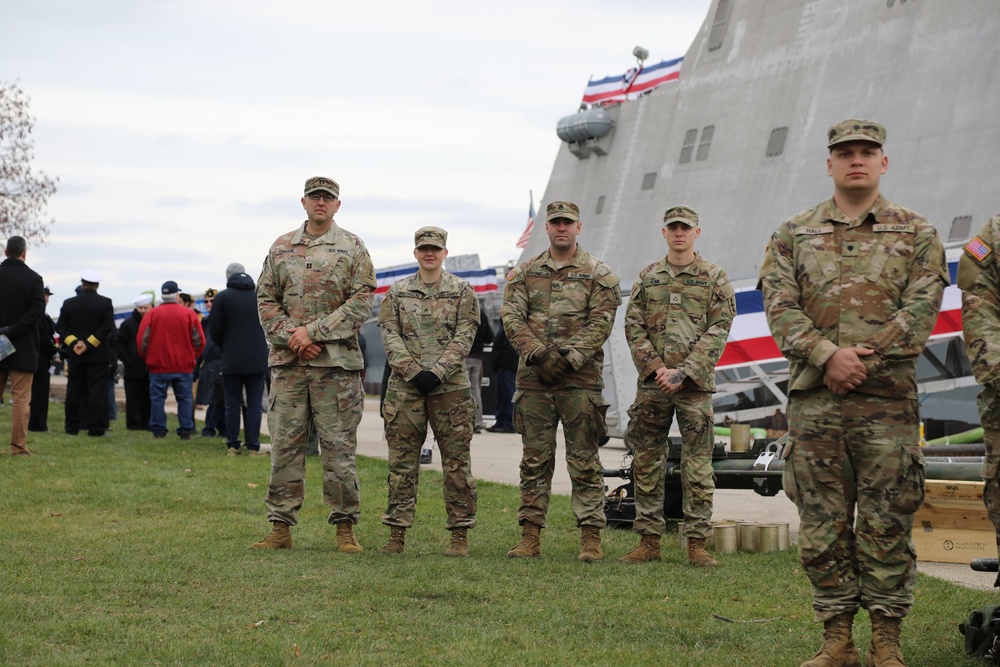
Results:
<point x="978" y="249"/>
<point x="522" y="242"/>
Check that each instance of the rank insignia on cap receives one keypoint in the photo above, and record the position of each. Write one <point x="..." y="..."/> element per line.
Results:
<point x="977" y="249"/>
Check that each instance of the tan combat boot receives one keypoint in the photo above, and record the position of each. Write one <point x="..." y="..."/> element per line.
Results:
<point x="346" y="542"/>
<point x="884" y="651"/>
<point x="397" y="540"/>
<point x="697" y="555"/>
<point x="530" y="544"/>
<point x="459" y="547"/>
<point x="590" y="545"/>
<point x="838" y="649"/>
<point x="280" y="538"/>
<point x="648" y="549"/>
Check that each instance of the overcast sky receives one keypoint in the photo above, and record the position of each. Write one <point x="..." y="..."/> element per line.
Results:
<point x="182" y="132"/>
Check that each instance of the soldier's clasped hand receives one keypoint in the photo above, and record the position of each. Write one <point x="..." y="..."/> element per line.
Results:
<point x="553" y="363"/>
<point x="425" y="382"/>
<point x="845" y="371"/>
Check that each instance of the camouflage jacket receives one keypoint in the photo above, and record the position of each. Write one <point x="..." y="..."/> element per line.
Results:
<point x="876" y="282"/>
<point x="571" y="308"/>
<point x="979" y="280"/>
<point x="429" y="329"/>
<point x="680" y="321"/>
<point x="327" y="285"/>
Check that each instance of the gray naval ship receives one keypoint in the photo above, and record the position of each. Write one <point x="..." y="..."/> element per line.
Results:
<point x="739" y="136"/>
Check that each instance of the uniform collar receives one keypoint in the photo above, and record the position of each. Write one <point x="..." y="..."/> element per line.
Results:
<point x="575" y="260"/>
<point x="831" y="213"/>
<point x="329" y="237"/>
<point x="417" y="285"/>
<point x="690" y="268"/>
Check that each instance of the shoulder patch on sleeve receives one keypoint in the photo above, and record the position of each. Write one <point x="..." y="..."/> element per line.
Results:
<point x="724" y="288"/>
<point x="978" y="249"/>
<point x="384" y="314"/>
<point x="768" y="265"/>
<point x="515" y="274"/>
<point x="606" y="277"/>
<point x="470" y="303"/>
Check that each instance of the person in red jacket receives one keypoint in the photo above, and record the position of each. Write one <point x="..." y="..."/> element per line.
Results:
<point x="170" y="338"/>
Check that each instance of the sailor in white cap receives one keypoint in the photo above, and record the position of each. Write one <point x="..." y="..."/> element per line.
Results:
<point x="90" y="276"/>
<point x="86" y="326"/>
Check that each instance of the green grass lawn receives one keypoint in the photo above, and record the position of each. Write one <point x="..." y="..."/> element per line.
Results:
<point x="130" y="550"/>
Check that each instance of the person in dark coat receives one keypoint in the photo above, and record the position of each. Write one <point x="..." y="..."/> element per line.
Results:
<point x="38" y="421"/>
<point x="504" y="372"/>
<point x="22" y="304"/>
<point x="86" y="326"/>
<point x="135" y="373"/>
<point x="209" y="374"/>
<point x="235" y="327"/>
<point x="474" y="364"/>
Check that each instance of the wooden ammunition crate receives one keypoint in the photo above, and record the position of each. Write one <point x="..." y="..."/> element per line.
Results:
<point x="952" y="526"/>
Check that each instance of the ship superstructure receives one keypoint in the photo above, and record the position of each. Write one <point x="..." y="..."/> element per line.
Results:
<point x="739" y="137"/>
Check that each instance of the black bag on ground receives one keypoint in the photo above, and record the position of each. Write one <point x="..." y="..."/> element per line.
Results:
<point x="980" y="631"/>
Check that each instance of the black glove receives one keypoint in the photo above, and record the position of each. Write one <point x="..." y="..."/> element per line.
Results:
<point x="425" y="382"/>
<point x="4" y="330"/>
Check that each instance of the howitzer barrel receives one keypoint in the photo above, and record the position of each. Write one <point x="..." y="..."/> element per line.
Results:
<point x="963" y="472"/>
<point x="740" y="473"/>
<point x="760" y="470"/>
<point x="985" y="565"/>
<point x="955" y="450"/>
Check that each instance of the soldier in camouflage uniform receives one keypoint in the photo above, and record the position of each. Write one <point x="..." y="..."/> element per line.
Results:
<point x="428" y="321"/>
<point x="979" y="279"/>
<point x="558" y="310"/>
<point x="314" y="293"/>
<point x="852" y="289"/>
<point x="677" y="323"/>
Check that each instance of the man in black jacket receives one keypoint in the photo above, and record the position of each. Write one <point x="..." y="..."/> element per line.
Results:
<point x="136" y="373"/>
<point x="86" y="326"/>
<point x="474" y="364"/>
<point x="235" y="327"/>
<point x="22" y="304"/>
<point x="40" y="385"/>
<point x="209" y="374"/>
<point x="504" y="373"/>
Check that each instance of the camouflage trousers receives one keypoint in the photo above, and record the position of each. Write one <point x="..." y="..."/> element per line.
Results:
<point x="989" y="413"/>
<point x="650" y="418"/>
<point x="846" y="454"/>
<point x="330" y="402"/>
<point x="536" y="417"/>
<point x="451" y="416"/>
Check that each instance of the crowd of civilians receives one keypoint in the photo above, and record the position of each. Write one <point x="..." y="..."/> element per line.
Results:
<point x="216" y="359"/>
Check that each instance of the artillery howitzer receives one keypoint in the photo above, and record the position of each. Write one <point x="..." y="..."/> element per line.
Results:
<point x="760" y="468"/>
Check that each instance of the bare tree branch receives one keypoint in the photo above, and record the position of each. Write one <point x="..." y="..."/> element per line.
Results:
<point x="23" y="194"/>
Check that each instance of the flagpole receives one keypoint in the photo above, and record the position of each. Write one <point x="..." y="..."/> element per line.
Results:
<point x="522" y="242"/>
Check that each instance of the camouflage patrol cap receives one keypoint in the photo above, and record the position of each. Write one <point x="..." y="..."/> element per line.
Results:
<point x="562" y="209"/>
<point x="683" y="214"/>
<point x="855" y="129"/>
<point x="434" y="236"/>
<point x="322" y="184"/>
